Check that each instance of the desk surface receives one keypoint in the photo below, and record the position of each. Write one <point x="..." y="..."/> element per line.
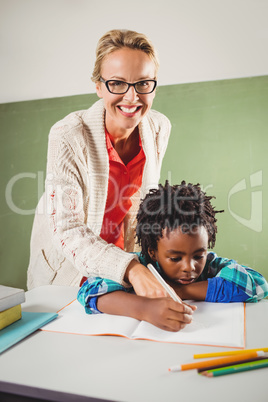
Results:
<point x="119" y="369"/>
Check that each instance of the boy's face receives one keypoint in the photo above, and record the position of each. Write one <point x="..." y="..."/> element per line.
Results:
<point x="182" y="256"/>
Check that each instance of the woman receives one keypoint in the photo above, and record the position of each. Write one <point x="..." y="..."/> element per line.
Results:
<point x="101" y="162"/>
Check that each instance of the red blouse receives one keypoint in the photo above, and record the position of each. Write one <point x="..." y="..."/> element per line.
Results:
<point x="124" y="181"/>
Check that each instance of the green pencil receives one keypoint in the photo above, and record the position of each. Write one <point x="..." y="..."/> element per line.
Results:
<point x="236" y="369"/>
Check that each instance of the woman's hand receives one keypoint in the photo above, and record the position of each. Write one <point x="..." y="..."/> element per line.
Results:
<point x="143" y="281"/>
<point x="145" y="284"/>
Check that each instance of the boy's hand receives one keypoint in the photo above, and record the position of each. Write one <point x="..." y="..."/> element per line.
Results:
<point x="167" y="314"/>
<point x="163" y="312"/>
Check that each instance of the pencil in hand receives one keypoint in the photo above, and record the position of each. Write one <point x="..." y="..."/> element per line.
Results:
<point x="168" y="288"/>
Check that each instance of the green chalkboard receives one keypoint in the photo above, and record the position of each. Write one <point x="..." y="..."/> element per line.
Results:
<point x="219" y="139"/>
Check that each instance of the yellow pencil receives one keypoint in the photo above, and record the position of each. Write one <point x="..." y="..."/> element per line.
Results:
<point x="228" y="353"/>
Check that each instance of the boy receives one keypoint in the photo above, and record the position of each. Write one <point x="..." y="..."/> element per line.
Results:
<point x="175" y="227"/>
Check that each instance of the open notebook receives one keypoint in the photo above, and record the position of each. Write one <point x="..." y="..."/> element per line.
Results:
<point x="214" y="324"/>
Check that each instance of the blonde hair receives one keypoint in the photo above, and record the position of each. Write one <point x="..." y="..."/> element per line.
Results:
<point x="117" y="39"/>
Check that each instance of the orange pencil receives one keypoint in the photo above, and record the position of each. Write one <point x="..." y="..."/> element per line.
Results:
<point x="223" y="360"/>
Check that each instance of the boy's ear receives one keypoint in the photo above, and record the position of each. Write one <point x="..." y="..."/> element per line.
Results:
<point x="152" y="254"/>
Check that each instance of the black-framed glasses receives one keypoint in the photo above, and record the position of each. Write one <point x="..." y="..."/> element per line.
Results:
<point x="117" y="87"/>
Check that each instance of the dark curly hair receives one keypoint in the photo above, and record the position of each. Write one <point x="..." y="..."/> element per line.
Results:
<point x="169" y="207"/>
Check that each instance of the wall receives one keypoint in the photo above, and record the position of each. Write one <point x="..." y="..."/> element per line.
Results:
<point x="207" y="50"/>
<point x="219" y="139"/>
<point x="48" y="46"/>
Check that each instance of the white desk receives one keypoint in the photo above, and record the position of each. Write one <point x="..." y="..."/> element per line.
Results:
<point x="119" y="369"/>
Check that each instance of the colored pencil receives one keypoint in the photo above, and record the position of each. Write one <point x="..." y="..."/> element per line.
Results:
<point x="223" y="360"/>
<point x="216" y="366"/>
<point x="236" y="369"/>
<point x="169" y="289"/>
<point x="227" y="353"/>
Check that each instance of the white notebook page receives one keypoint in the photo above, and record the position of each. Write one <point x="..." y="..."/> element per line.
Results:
<point x="215" y="324"/>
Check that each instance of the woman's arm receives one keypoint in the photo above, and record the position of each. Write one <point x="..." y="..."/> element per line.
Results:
<point x="74" y="209"/>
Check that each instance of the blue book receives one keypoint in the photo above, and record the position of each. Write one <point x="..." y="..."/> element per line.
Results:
<point x="28" y="323"/>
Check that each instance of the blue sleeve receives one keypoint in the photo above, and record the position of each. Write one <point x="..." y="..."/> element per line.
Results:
<point x="246" y="279"/>
<point x="94" y="287"/>
<point x="222" y="291"/>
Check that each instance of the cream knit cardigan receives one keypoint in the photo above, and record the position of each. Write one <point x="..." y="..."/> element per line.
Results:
<point x="65" y="242"/>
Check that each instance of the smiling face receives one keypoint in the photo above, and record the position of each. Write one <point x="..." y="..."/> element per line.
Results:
<point x="124" y="112"/>
<point x="182" y="256"/>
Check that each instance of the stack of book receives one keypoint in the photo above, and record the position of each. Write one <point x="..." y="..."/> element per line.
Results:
<point x="16" y="324"/>
<point x="10" y="305"/>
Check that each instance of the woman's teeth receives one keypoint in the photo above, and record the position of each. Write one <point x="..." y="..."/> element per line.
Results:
<point x="128" y="110"/>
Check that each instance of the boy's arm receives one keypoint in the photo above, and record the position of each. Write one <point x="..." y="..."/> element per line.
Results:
<point x="214" y="290"/>
<point x="94" y="287"/>
<point x="193" y="291"/>
<point x="162" y="312"/>
<point x="100" y="295"/>
<point x="232" y="283"/>
<point x="249" y="281"/>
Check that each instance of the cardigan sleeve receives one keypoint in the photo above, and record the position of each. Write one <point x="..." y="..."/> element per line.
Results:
<point x="69" y="218"/>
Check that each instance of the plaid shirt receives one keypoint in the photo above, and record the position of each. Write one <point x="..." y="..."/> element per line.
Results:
<point x="227" y="282"/>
